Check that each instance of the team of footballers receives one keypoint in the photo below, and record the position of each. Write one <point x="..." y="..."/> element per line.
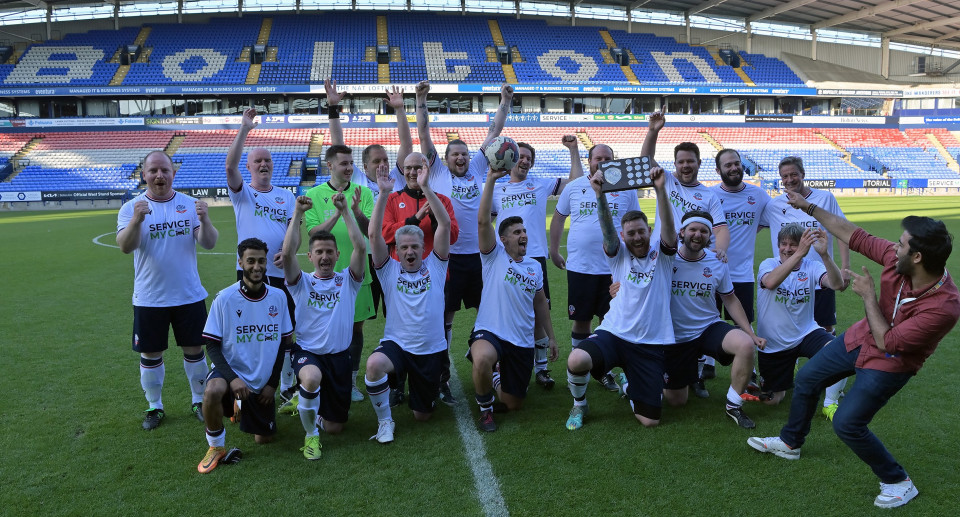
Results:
<point x="697" y="268"/>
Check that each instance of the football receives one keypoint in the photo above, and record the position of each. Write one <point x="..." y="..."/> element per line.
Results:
<point x="502" y="153"/>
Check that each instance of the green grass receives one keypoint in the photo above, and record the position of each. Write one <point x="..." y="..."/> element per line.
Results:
<point x="72" y="444"/>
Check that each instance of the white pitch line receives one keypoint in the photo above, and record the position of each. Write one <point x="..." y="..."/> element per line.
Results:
<point x="96" y="240"/>
<point x="488" y="488"/>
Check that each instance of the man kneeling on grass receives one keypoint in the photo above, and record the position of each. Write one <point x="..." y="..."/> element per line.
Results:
<point x="918" y="306"/>
<point x="248" y="333"/>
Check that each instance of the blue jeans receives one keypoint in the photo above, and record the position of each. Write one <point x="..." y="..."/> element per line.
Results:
<point x="869" y="393"/>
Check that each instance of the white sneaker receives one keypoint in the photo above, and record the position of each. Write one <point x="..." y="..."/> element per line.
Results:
<point x="893" y="495"/>
<point x="385" y="431"/>
<point x="775" y="446"/>
<point x="356" y="395"/>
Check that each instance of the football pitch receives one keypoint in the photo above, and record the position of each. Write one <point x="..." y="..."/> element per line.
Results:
<point x="72" y="444"/>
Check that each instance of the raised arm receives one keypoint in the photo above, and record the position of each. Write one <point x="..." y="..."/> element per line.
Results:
<point x="500" y="119"/>
<point x="835" y="279"/>
<point x="291" y="241"/>
<point x="441" y="236"/>
<point x="576" y="166"/>
<point x="234" y="176"/>
<point x="774" y="278"/>
<point x="333" y="102"/>
<point x="128" y="238"/>
<point x="654" y="125"/>
<point x="611" y="241"/>
<point x="395" y="101"/>
<point x="423" y="122"/>
<point x="838" y="226"/>
<point x="668" y="229"/>
<point x="378" y="247"/>
<point x="207" y="234"/>
<point x="486" y="234"/>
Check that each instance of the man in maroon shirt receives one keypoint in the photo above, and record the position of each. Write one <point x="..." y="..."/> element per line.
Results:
<point x="918" y="305"/>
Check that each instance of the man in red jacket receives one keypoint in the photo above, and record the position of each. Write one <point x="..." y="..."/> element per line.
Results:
<point x="918" y="305"/>
<point x="410" y="207"/>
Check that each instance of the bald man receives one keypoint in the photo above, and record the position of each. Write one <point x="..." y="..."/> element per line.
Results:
<point x="262" y="211"/>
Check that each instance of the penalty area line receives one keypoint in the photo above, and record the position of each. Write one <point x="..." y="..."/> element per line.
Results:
<point x="488" y="488"/>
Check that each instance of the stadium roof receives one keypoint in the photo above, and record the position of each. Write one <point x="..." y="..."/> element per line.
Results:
<point x="925" y="22"/>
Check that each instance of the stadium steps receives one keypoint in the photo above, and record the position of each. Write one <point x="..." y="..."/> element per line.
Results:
<point x="495" y="32"/>
<point x="265" y="27"/>
<point x="395" y="55"/>
<point x="452" y="135"/>
<point x="245" y="54"/>
<point x="383" y="74"/>
<point x="271" y="55"/>
<point x="17" y="160"/>
<point x="253" y="74"/>
<point x="120" y="75"/>
<point x="17" y="52"/>
<point x="174" y="145"/>
<point x="835" y="145"/>
<point x="713" y="141"/>
<point x="116" y="56"/>
<point x="510" y="74"/>
<point x="145" y="55"/>
<point x="515" y="55"/>
<point x="633" y="58"/>
<point x="608" y="58"/>
<point x="951" y="161"/>
<point x="142" y="36"/>
<point x="714" y="53"/>
<point x="743" y="75"/>
<point x="382" y="36"/>
<point x="585" y="139"/>
<point x="492" y="55"/>
<point x="370" y="55"/>
<point x="296" y="168"/>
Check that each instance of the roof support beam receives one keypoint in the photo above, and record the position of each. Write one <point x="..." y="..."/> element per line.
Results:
<point x="921" y="27"/>
<point x="639" y="4"/>
<point x="773" y="11"/>
<point x="704" y="6"/>
<point x="863" y="13"/>
<point x="949" y="35"/>
<point x="918" y="40"/>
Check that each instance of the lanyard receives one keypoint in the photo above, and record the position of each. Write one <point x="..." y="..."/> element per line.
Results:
<point x="929" y="290"/>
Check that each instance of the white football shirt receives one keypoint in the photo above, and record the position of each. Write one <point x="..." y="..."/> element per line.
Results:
<point x="464" y="193"/>
<point x="415" y="304"/>
<point x="779" y="213"/>
<point x="264" y="215"/>
<point x="785" y="314"/>
<point x="165" y="265"/>
<point x="325" y="309"/>
<point x="527" y="199"/>
<point x="249" y="331"/>
<point x="684" y="198"/>
<point x="742" y="210"/>
<point x="506" y="303"/>
<point x="640" y="313"/>
<point x="693" y="290"/>
<point x="584" y="239"/>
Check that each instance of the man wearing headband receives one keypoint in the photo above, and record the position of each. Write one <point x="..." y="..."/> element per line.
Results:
<point x="918" y="305"/>
<point x="698" y="277"/>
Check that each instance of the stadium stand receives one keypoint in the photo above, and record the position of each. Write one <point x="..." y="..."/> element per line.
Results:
<point x="76" y="60"/>
<point x="663" y="60"/>
<point x="313" y="48"/>
<point x="202" y="154"/>
<point x="768" y="71"/>
<point x="441" y="49"/>
<point x="182" y="54"/>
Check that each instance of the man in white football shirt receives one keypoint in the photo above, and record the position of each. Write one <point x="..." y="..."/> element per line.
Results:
<point x="633" y="333"/>
<point x="779" y="213"/>
<point x="326" y="300"/>
<point x="527" y="198"/>
<point x="687" y="193"/>
<point x="699" y="277"/>
<point x="460" y="177"/>
<point x="513" y="305"/>
<point x="162" y="228"/>
<point x="261" y="211"/>
<point x="743" y="204"/>
<point x="413" y="342"/>
<point x="588" y="275"/>
<point x="785" y="299"/>
<point x="247" y="333"/>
